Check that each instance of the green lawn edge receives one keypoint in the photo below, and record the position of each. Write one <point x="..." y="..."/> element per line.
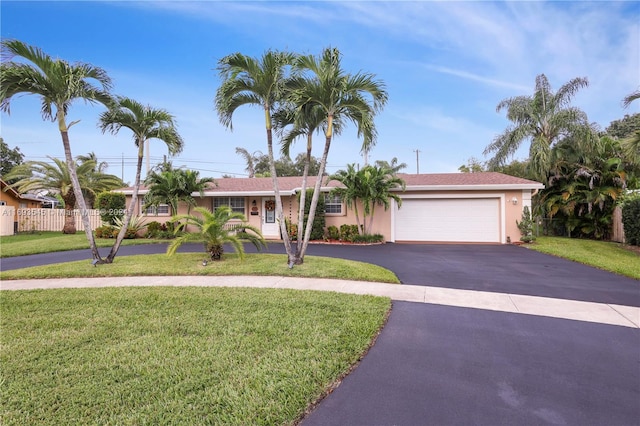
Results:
<point x="259" y="264"/>
<point x="604" y="255"/>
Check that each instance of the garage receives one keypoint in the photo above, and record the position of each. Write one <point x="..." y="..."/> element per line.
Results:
<point x="469" y="220"/>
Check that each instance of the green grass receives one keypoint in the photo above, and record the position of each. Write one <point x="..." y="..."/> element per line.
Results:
<point x="604" y="255"/>
<point x="188" y="355"/>
<point x="46" y="242"/>
<point x="191" y="264"/>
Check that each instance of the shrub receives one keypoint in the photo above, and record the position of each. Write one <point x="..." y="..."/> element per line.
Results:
<point x="160" y="230"/>
<point x="631" y="221"/>
<point x="105" y="231"/>
<point x="111" y="205"/>
<point x="135" y="226"/>
<point x="319" y="222"/>
<point x="348" y="232"/>
<point x="367" y="238"/>
<point x="526" y="226"/>
<point x="333" y="233"/>
<point x="292" y="229"/>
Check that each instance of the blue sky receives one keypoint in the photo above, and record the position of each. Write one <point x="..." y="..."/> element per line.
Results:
<point x="446" y="66"/>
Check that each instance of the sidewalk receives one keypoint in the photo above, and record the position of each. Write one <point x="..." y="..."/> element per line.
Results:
<point x="625" y="316"/>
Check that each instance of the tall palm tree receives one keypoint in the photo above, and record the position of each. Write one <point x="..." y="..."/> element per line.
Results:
<point x="394" y="166"/>
<point x="145" y="123"/>
<point x="56" y="177"/>
<point x="350" y="191"/>
<point x="214" y="230"/>
<point x="259" y="82"/>
<point x="341" y="98"/>
<point x="172" y="186"/>
<point x="58" y="84"/>
<point x="544" y="118"/>
<point x="191" y="183"/>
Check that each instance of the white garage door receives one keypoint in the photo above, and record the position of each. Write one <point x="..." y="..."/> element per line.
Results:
<point x="474" y="220"/>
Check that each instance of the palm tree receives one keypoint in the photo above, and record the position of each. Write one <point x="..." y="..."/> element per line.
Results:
<point x="394" y="166"/>
<point x="215" y="230"/>
<point x="146" y="123"/>
<point x="250" y="159"/>
<point x="631" y="144"/>
<point x="258" y="82"/>
<point x="372" y="185"/>
<point x="340" y="97"/>
<point x="544" y="118"/>
<point x="171" y="186"/>
<point x="56" y="177"/>
<point x="58" y="84"/>
<point x="192" y="183"/>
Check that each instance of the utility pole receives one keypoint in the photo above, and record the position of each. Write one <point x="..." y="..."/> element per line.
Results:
<point x="417" y="151"/>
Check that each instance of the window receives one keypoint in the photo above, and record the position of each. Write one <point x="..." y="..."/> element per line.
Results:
<point x="332" y="204"/>
<point x="236" y="203"/>
<point x="159" y="210"/>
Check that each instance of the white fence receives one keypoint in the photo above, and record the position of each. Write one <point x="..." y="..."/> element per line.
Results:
<point x="30" y="220"/>
<point x="7" y="214"/>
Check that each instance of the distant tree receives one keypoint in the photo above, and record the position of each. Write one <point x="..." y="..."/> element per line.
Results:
<point x="544" y="119"/>
<point x="631" y="141"/>
<point x="630" y="98"/>
<point x="394" y="166"/>
<point x="473" y="166"/>
<point x="9" y="158"/>
<point x="58" y="84"/>
<point x="250" y="159"/>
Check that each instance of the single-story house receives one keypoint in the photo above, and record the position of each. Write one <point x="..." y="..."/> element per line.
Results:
<point x="442" y="207"/>
<point x="10" y="198"/>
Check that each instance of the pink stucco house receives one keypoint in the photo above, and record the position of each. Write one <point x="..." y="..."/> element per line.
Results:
<point x="442" y="207"/>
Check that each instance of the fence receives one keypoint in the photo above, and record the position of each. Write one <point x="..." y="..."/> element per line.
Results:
<point x="7" y="213"/>
<point x="617" y="231"/>
<point x="30" y="220"/>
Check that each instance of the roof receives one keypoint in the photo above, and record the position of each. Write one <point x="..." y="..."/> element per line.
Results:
<point x="415" y="182"/>
<point x="5" y="187"/>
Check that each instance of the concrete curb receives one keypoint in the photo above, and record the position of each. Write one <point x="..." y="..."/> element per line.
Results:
<point x="625" y="316"/>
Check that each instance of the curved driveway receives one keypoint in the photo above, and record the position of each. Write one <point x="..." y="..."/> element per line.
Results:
<point x="448" y="365"/>
<point x="495" y="268"/>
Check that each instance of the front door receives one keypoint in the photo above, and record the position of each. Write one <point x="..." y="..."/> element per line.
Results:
<point x="270" y="227"/>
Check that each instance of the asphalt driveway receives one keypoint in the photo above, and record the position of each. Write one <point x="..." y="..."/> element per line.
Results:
<point x="441" y="365"/>
<point x="495" y="268"/>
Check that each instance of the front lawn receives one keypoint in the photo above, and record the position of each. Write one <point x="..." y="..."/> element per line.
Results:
<point x="183" y="355"/>
<point x="45" y="242"/>
<point x="604" y="255"/>
<point x="191" y="264"/>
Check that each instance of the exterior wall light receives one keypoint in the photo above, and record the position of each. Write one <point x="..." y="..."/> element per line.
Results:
<point x="514" y="200"/>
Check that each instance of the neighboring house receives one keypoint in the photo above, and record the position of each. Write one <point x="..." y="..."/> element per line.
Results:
<point x="11" y="198"/>
<point x="444" y="207"/>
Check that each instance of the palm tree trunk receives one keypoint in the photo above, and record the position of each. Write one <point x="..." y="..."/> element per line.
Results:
<point x="303" y="198"/>
<point x="84" y="213"/>
<point x="129" y="214"/>
<point x="69" y="219"/>
<point x="316" y="195"/>
<point x="274" y="177"/>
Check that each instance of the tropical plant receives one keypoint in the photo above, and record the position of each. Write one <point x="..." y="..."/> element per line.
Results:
<point x="58" y="84"/>
<point x="326" y="97"/>
<point x="172" y="186"/>
<point x="631" y="144"/>
<point x="584" y="185"/>
<point x="56" y="177"/>
<point x="371" y="186"/>
<point x="215" y="229"/>
<point x="544" y="118"/>
<point x="145" y="123"/>
<point x="135" y="225"/>
<point x="394" y="166"/>
<point x="259" y="82"/>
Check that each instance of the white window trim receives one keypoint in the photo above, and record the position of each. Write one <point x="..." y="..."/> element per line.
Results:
<point x="342" y="207"/>
<point x="228" y="203"/>
<point x="145" y="212"/>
